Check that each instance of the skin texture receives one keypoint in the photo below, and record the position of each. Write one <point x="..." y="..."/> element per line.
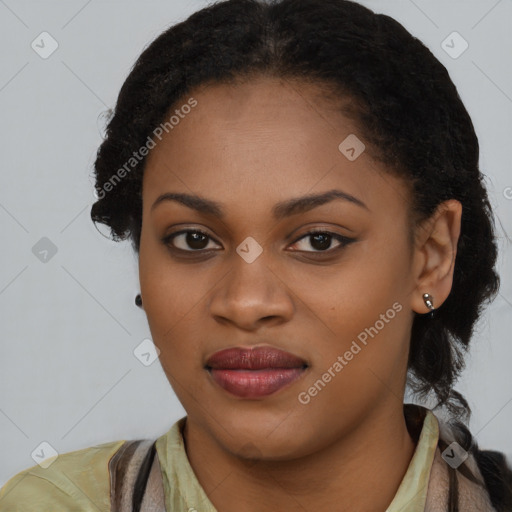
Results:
<point x="249" y="147"/>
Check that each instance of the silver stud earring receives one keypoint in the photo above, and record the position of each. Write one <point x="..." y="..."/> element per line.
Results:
<point x="429" y="302"/>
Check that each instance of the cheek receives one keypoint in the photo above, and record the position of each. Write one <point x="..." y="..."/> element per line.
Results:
<point x="169" y="298"/>
<point x="351" y="296"/>
<point x="361" y="315"/>
<point x="171" y="312"/>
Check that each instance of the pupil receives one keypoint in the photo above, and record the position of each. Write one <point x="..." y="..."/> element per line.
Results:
<point x="193" y="240"/>
<point x="324" y="241"/>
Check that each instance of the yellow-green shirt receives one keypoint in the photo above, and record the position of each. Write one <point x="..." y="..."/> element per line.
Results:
<point x="79" y="480"/>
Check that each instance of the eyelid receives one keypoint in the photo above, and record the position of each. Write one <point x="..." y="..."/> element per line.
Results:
<point x="343" y="240"/>
<point x="168" y="238"/>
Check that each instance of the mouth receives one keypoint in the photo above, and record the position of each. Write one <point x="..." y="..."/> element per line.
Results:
<point x="256" y="372"/>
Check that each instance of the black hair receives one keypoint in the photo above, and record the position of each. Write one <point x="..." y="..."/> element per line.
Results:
<point x="409" y="115"/>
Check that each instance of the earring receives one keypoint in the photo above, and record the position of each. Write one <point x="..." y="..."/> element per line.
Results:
<point x="429" y="302"/>
<point x="138" y="300"/>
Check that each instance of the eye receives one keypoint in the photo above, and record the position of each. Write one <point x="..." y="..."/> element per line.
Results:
<point x="321" y="241"/>
<point x="195" y="239"/>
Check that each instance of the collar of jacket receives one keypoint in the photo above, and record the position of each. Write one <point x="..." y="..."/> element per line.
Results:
<point x="465" y="477"/>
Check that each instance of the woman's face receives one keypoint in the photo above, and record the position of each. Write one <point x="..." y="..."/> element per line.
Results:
<point x="340" y="302"/>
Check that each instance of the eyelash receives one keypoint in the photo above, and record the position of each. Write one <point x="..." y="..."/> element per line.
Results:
<point x="344" y="241"/>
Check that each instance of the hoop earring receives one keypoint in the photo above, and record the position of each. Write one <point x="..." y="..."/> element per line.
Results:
<point x="429" y="302"/>
<point x="138" y="300"/>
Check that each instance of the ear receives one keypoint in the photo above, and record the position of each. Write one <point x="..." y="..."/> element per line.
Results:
<point x="434" y="255"/>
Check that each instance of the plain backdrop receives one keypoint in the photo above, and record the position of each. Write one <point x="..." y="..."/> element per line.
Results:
<point x="69" y="326"/>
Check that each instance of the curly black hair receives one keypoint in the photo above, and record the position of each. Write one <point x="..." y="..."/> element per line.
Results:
<point x="408" y="110"/>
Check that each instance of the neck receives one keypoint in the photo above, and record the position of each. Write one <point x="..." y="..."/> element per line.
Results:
<point x="359" y="472"/>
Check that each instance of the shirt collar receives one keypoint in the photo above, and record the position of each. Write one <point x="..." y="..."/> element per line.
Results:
<point x="183" y="492"/>
<point x="412" y="493"/>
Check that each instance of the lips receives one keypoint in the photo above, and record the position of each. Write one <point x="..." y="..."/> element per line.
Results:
<point x="254" y="372"/>
<point x="257" y="358"/>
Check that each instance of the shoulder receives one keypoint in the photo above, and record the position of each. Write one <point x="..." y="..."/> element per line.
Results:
<point x="478" y="469"/>
<point x="77" y="480"/>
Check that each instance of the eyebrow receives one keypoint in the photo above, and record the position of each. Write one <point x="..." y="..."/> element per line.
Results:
<point x="280" y="211"/>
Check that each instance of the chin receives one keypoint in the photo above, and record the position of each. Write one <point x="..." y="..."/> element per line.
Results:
<point x="264" y="436"/>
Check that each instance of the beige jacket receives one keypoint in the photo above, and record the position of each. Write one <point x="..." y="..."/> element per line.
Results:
<point x="473" y="495"/>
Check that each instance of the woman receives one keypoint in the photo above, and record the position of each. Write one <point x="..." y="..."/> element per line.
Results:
<point x="300" y="181"/>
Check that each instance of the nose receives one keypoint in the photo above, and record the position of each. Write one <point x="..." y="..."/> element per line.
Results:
<point x="252" y="294"/>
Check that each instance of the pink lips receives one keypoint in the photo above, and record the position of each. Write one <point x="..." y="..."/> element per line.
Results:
<point x="256" y="372"/>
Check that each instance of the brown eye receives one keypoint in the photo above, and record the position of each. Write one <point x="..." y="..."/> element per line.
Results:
<point x="190" y="240"/>
<point x="321" y="241"/>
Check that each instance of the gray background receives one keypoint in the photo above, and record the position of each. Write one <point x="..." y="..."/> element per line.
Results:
<point x="69" y="326"/>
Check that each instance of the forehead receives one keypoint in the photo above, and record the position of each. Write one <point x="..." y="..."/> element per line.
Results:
<point x="260" y="139"/>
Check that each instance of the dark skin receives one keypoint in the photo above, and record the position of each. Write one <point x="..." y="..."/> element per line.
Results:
<point x="249" y="147"/>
